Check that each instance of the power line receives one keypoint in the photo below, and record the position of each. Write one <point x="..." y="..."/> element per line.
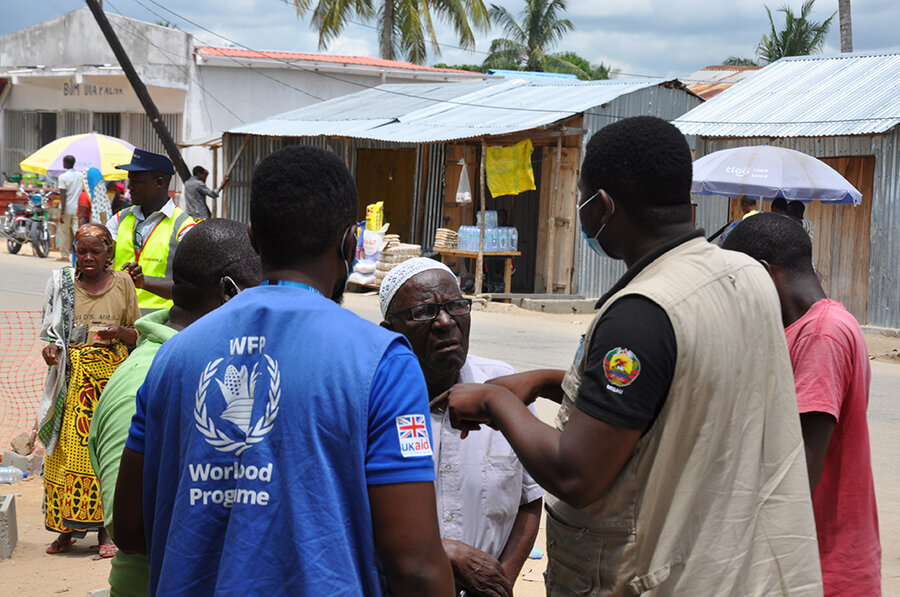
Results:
<point x="346" y="81"/>
<point x="238" y="62"/>
<point x="176" y="65"/>
<point x="474" y="50"/>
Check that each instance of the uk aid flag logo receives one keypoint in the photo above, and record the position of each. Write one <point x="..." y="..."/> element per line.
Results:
<point x="413" y="435"/>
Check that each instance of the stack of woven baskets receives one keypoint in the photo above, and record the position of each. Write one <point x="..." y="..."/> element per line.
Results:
<point x="444" y="238"/>
<point x="394" y="252"/>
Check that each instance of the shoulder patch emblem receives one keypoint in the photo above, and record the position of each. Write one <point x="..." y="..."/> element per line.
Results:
<point x="413" y="436"/>
<point x="621" y="367"/>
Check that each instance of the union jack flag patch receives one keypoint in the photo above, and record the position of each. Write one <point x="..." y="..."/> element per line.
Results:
<point x="413" y="435"/>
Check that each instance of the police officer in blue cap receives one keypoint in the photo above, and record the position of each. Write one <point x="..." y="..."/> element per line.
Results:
<point x="147" y="233"/>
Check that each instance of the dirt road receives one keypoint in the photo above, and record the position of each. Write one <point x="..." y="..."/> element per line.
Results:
<point x="525" y="339"/>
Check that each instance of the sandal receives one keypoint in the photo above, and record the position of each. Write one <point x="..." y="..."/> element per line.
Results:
<point x="60" y="546"/>
<point x="108" y="551"/>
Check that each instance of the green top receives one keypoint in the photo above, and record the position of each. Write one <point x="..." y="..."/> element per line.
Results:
<point x="109" y="430"/>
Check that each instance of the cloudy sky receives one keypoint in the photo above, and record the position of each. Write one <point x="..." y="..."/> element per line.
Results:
<point x="666" y="38"/>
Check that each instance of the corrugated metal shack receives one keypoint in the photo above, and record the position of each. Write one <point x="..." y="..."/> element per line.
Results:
<point x="845" y="110"/>
<point x="406" y="145"/>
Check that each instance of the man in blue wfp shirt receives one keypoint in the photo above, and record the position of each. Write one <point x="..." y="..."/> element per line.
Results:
<point x="281" y="444"/>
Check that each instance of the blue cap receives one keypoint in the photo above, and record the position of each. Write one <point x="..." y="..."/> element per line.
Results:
<point x="145" y="161"/>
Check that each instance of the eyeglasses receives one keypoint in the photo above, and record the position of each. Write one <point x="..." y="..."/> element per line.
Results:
<point x="138" y="237"/>
<point x="430" y="311"/>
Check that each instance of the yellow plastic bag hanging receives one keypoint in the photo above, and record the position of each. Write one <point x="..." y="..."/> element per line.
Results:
<point x="508" y="169"/>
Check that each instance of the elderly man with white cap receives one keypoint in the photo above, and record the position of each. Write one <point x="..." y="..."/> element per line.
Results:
<point x="489" y="507"/>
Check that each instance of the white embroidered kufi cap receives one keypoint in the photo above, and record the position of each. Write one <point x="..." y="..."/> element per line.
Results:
<point x="398" y="276"/>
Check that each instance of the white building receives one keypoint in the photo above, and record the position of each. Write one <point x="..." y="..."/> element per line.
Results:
<point x="60" y="77"/>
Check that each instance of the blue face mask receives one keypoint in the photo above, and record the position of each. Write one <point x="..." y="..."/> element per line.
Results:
<point x="592" y="241"/>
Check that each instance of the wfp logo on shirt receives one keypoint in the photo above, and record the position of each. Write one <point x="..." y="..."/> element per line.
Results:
<point x="238" y="390"/>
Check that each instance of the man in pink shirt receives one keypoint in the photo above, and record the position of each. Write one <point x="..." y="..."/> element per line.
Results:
<point x="831" y="374"/>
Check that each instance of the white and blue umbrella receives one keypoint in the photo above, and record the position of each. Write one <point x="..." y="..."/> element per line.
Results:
<point x="767" y="172"/>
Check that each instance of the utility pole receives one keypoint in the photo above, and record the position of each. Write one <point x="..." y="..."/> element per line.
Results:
<point x="140" y="90"/>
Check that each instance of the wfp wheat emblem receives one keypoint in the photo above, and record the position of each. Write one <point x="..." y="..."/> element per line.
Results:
<point x="238" y="388"/>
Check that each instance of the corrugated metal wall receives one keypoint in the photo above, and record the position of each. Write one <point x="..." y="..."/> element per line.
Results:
<point x="884" y="255"/>
<point x="238" y="194"/>
<point x="137" y="130"/>
<point x="21" y="138"/>
<point x="434" y="195"/>
<point x="595" y="274"/>
<point x="73" y="123"/>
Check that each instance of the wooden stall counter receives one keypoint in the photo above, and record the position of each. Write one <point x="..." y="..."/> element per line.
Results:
<point x="507" y="261"/>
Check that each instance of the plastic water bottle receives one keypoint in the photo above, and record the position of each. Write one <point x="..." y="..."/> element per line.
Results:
<point x="514" y="239"/>
<point x="10" y="474"/>
<point x="504" y="239"/>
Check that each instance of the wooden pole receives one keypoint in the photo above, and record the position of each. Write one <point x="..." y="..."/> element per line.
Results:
<point x="479" y="262"/>
<point x="423" y="199"/>
<point x="140" y="90"/>
<point x="551" y="228"/>
<point x="215" y="176"/>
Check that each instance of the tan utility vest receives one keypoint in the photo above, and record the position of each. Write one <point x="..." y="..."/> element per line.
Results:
<point x="715" y="498"/>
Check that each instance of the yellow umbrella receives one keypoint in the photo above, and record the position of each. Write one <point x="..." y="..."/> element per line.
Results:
<point x="90" y="150"/>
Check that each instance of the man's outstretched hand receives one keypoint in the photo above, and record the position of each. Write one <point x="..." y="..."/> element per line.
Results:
<point x="469" y="405"/>
<point x="134" y="269"/>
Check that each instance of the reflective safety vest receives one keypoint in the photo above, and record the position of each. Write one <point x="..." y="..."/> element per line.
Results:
<point x="157" y="254"/>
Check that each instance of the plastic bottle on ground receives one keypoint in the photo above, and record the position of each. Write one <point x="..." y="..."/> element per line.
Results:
<point x="10" y="474"/>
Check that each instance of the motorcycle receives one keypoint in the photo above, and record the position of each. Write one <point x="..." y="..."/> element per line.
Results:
<point x="29" y="222"/>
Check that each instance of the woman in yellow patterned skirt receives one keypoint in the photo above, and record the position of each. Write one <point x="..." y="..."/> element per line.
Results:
<point x="89" y="316"/>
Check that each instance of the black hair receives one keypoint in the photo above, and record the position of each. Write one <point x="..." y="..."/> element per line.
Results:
<point x="644" y="164"/>
<point x="301" y="200"/>
<point x="774" y="238"/>
<point x="69" y="161"/>
<point x="212" y="249"/>
<point x="795" y="209"/>
<point x="779" y="205"/>
<point x="198" y="170"/>
<point x="748" y="201"/>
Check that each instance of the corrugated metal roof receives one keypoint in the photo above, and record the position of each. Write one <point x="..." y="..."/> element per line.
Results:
<point x="806" y="96"/>
<point x="295" y="56"/>
<point x="713" y="80"/>
<point x="434" y="112"/>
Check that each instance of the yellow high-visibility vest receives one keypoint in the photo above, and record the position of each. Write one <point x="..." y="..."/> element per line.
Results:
<point x="158" y="251"/>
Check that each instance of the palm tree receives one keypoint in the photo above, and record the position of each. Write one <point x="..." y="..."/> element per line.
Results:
<point x="570" y="62"/>
<point x="739" y="61"/>
<point x="405" y="27"/>
<point x="799" y="37"/>
<point x="846" y="28"/>
<point x="526" y="45"/>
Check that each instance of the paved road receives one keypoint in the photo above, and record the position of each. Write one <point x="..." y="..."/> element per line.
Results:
<point x="532" y="340"/>
<point x="23" y="278"/>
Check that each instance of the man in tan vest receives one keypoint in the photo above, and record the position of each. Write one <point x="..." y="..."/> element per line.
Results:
<point x="676" y="464"/>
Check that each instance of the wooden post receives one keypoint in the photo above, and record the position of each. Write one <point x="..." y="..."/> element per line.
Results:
<point x="423" y="199"/>
<point x="215" y="176"/>
<point x="551" y="228"/>
<point x="479" y="262"/>
<point x="140" y="90"/>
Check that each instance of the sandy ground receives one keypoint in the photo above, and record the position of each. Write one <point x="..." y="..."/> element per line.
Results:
<point x="523" y="338"/>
